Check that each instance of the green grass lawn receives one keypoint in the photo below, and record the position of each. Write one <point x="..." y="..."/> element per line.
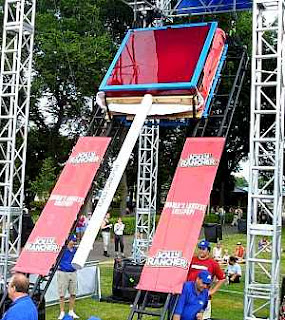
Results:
<point x="226" y="304"/>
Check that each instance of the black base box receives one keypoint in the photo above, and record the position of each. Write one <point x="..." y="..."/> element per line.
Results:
<point x="213" y="232"/>
<point x="126" y="276"/>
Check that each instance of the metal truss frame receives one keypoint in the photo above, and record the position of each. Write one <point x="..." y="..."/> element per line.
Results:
<point x="169" y="10"/>
<point x="15" y="83"/>
<point x="140" y="5"/>
<point x="163" y="5"/>
<point x="266" y="161"/>
<point x="144" y="5"/>
<point x="146" y="190"/>
<point x="209" y="8"/>
<point x="141" y="8"/>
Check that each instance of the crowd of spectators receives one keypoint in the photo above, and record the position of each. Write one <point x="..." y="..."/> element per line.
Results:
<point x="219" y="266"/>
<point x="235" y="212"/>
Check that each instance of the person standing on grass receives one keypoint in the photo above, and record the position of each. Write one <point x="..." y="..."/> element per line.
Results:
<point x="22" y="307"/>
<point x="67" y="279"/>
<point x="203" y="261"/>
<point x="237" y="216"/>
<point x="106" y="231"/>
<point x="81" y="226"/>
<point x="222" y="215"/>
<point x="119" y="237"/>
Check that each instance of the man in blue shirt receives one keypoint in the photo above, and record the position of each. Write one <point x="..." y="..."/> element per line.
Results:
<point x="22" y="307"/>
<point x="194" y="298"/>
<point x="66" y="279"/>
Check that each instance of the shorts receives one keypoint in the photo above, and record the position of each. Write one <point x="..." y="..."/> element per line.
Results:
<point x="208" y="311"/>
<point x="66" y="281"/>
<point x="80" y="229"/>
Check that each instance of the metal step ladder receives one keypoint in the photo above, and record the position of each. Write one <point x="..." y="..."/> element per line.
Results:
<point x="100" y="125"/>
<point x="142" y="304"/>
<point x="227" y="94"/>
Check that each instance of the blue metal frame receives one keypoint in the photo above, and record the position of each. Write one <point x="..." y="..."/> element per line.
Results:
<point x="117" y="56"/>
<point x="162" y="122"/>
<point x="215" y="82"/>
<point x="163" y="86"/>
<point x="197" y="7"/>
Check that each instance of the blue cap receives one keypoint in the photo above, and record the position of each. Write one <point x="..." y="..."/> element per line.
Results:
<point x="204" y="244"/>
<point x="72" y="238"/>
<point x="205" y="276"/>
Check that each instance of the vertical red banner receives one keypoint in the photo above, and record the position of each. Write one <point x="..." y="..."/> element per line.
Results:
<point x="181" y="220"/>
<point x="62" y="208"/>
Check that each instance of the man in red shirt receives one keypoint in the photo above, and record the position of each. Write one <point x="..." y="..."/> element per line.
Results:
<point x="201" y="262"/>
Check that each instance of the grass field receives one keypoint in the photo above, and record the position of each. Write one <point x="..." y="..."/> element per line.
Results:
<point x="227" y="303"/>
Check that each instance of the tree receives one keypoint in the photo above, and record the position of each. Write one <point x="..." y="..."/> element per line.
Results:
<point x="44" y="182"/>
<point x="74" y="44"/>
<point x="241" y="182"/>
<point x="71" y="51"/>
<point x="73" y="48"/>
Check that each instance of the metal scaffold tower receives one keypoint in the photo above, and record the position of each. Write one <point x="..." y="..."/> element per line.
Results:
<point x="140" y="5"/>
<point x="163" y="5"/>
<point x="146" y="190"/>
<point x="141" y="8"/>
<point x="266" y="161"/>
<point x="15" y="82"/>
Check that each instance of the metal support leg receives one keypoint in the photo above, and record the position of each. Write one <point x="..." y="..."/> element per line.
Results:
<point x="146" y="190"/>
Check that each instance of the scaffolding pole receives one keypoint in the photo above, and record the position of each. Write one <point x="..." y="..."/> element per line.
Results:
<point x="266" y="162"/>
<point x="15" y="83"/>
<point x="146" y="190"/>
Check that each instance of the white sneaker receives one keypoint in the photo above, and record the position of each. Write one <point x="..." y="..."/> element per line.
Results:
<point x="73" y="314"/>
<point x="61" y="315"/>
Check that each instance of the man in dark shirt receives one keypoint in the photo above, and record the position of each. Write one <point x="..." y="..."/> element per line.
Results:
<point x="66" y="279"/>
<point x="194" y="298"/>
<point x="22" y="307"/>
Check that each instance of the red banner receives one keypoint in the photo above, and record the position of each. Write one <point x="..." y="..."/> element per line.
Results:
<point x="181" y="220"/>
<point x="62" y="208"/>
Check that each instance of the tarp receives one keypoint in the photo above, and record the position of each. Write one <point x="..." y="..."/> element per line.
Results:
<point x="62" y="208"/>
<point x="87" y="284"/>
<point x="179" y="227"/>
<point x="211" y="65"/>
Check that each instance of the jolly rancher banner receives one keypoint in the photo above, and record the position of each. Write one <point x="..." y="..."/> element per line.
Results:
<point x="181" y="220"/>
<point x="63" y="206"/>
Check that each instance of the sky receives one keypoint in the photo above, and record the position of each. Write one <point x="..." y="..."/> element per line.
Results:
<point x="244" y="172"/>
